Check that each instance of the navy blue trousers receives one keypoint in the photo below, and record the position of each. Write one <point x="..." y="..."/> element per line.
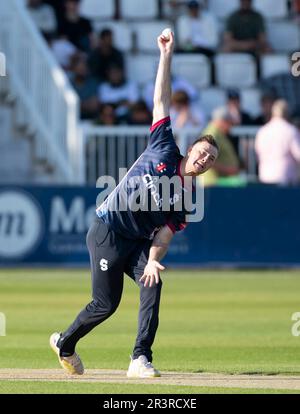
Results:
<point x="112" y="255"/>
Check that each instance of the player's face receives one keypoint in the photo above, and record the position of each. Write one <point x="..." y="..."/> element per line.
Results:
<point x="201" y="157"/>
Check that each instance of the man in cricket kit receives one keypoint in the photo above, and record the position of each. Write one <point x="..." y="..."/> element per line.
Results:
<point x="134" y="241"/>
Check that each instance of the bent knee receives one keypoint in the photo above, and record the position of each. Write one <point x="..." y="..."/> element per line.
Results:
<point x="103" y="309"/>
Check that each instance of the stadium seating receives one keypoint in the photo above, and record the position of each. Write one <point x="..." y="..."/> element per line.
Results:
<point x="169" y="12"/>
<point x="274" y="64"/>
<point x="271" y="9"/>
<point x="222" y="8"/>
<point x="284" y="36"/>
<point x="141" y="68"/>
<point x="98" y="9"/>
<point x="136" y="9"/>
<point x="250" y="100"/>
<point x="211" y="98"/>
<point x="194" y="68"/>
<point x="235" y="70"/>
<point x="122" y="33"/>
<point x="146" y="34"/>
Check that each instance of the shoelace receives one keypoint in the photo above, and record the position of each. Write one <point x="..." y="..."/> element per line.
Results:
<point x="147" y="364"/>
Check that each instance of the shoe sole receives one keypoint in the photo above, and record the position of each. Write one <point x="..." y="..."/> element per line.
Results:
<point x="143" y="376"/>
<point x="64" y="364"/>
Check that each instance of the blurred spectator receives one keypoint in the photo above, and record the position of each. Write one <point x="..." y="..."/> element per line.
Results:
<point x="77" y="29"/>
<point x="183" y="113"/>
<point x="85" y="86"/>
<point x="178" y="84"/>
<point x="172" y="9"/>
<point x="105" y="55"/>
<point x="139" y="114"/>
<point x="198" y="31"/>
<point x="118" y="91"/>
<point x="277" y="146"/>
<point x="245" y="31"/>
<point x="44" y="17"/>
<point x="63" y="51"/>
<point x="106" y="115"/>
<point x="284" y="86"/>
<point x="58" y="7"/>
<point x="227" y="163"/>
<point x="296" y="10"/>
<point x="239" y="116"/>
<point x="267" y="100"/>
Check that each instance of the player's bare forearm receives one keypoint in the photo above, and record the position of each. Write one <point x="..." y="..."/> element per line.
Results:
<point x="162" y="90"/>
<point x="160" y="244"/>
<point x="158" y="250"/>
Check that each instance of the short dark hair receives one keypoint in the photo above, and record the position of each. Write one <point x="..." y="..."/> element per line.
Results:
<point x="233" y="94"/>
<point x="105" y="32"/>
<point x="209" y="139"/>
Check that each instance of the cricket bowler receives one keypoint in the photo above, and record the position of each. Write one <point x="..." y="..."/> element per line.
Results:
<point x="134" y="241"/>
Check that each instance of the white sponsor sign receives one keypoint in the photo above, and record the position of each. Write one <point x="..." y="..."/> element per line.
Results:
<point x="20" y="224"/>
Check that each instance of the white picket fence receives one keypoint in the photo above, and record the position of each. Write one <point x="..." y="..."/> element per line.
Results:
<point x="45" y="102"/>
<point x="111" y="148"/>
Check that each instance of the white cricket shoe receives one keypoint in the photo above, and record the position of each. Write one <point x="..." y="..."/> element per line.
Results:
<point x="72" y="364"/>
<point x="142" y="368"/>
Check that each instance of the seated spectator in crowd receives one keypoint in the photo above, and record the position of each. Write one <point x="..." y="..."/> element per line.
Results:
<point x="58" y="7"/>
<point x="277" y="146"/>
<point x="183" y="113"/>
<point x="284" y="86"/>
<point x="227" y="164"/>
<point x="198" y="31"/>
<point x="239" y="116"/>
<point x="63" y="51"/>
<point x="139" y="114"/>
<point x="178" y="84"/>
<point x="44" y="17"/>
<point x="296" y="10"/>
<point x="245" y="31"/>
<point x="85" y="86"/>
<point x="266" y="101"/>
<point x="118" y="91"/>
<point x="172" y="9"/>
<point x="106" y="115"/>
<point x="77" y="29"/>
<point x="105" y="55"/>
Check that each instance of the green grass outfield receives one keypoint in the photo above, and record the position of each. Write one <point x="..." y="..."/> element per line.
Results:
<point x="210" y="321"/>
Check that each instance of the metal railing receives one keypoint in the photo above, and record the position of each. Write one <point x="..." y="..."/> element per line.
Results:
<point x="44" y="98"/>
<point x="109" y="148"/>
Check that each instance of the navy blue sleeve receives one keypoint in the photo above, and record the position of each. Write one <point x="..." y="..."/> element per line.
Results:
<point x="161" y="136"/>
<point x="177" y="222"/>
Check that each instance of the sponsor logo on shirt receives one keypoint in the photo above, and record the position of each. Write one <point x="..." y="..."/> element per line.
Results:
<point x="161" y="167"/>
<point x="150" y="185"/>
